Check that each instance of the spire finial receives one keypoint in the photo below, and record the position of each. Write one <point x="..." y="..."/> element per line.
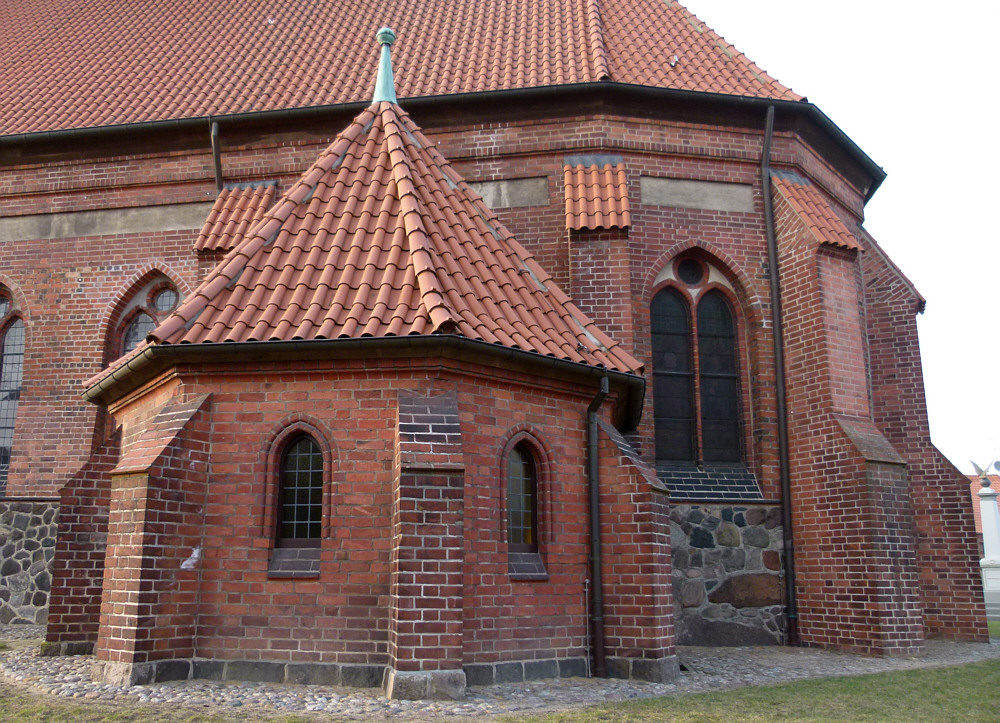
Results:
<point x="385" y="87"/>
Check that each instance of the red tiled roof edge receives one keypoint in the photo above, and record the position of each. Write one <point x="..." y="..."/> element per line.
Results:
<point x="596" y="197"/>
<point x="814" y="210"/>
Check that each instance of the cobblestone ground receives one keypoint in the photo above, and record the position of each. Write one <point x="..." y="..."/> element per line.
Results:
<point x="704" y="669"/>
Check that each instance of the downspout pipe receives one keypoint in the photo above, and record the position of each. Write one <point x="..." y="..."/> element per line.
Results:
<point x="593" y="483"/>
<point x="217" y="155"/>
<point x="781" y="399"/>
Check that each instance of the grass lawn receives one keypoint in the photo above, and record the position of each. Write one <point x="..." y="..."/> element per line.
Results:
<point x="994" y="626"/>
<point x="965" y="693"/>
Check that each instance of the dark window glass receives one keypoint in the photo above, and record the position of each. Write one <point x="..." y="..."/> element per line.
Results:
<point x="165" y="300"/>
<point x="11" y="366"/>
<point x="301" y="496"/>
<point x="673" y="378"/>
<point x="522" y="501"/>
<point x="690" y="272"/>
<point x="4" y="306"/>
<point x="136" y="331"/>
<point x="719" y="380"/>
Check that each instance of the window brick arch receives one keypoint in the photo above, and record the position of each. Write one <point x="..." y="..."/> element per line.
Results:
<point x="273" y="451"/>
<point x="142" y="301"/>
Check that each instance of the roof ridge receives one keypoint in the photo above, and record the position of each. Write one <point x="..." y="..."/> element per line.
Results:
<point x="598" y="49"/>
<point x="421" y="254"/>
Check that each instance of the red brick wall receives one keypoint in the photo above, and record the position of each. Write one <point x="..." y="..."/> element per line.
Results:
<point x="947" y="548"/>
<point x="343" y="616"/>
<point x="854" y="556"/>
<point x="150" y="603"/>
<point x="78" y="566"/>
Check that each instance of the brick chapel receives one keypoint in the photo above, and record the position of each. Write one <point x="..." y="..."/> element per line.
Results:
<point x="534" y="342"/>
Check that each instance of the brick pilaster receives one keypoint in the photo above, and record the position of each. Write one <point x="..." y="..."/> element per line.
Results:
<point x="425" y="629"/>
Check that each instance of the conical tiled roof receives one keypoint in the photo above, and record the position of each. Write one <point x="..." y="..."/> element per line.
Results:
<point x="71" y="64"/>
<point x="380" y="238"/>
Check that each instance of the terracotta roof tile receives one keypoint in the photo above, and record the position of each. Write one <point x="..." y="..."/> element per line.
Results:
<point x="596" y="197"/>
<point x="237" y="209"/>
<point x="808" y="202"/>
<point x="70" y="64"/>
<point x="380" y="237"/>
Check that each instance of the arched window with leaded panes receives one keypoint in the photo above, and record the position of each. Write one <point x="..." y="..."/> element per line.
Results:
<point x="522" y="500"/>
<point x="697" y="409"/>
<point x="300" y="494"/>
<point x="11" y="372"/>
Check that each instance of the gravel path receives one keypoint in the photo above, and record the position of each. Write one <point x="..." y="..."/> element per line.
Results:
<point x="706" y="669"/>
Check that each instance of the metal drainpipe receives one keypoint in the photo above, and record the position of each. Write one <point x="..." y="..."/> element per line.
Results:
<point x="593" y="482"/>
<point x="779" y="379"/>
<point x="217" y="155"/>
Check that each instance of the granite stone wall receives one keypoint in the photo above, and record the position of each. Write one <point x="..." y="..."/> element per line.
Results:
<point x="27" y="546"/>
<point x="728" y="574"/>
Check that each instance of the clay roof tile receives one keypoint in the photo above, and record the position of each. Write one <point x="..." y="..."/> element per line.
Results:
<point x="68" y="64"/>
<point x="808" y="202"/>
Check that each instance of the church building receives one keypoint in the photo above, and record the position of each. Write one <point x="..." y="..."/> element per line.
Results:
<point x="533" y="342"/>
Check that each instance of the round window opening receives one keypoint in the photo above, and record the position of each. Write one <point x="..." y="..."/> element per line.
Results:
<point x="165" y="300"/>
<point x="690" y="272"/>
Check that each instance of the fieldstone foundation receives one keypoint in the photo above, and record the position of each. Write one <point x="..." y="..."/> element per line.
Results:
<point x="27" y="547"/>
<point x="728" y="575"/>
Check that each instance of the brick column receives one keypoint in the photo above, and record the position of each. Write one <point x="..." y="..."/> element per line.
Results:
<point x="425" y="628"/>
<point x="149" y="606"/>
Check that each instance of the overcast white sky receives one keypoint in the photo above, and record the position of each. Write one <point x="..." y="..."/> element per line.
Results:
<point x="915" y="85"/>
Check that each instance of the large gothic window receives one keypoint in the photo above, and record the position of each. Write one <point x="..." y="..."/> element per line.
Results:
<point x="11" y="365"/>
<point x="696" y="382"/>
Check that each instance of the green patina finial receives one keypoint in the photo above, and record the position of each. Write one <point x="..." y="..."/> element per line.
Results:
<point x="385" y="87"/>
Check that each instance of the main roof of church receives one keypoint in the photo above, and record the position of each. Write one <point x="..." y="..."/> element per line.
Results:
<point x="68" y="64"/>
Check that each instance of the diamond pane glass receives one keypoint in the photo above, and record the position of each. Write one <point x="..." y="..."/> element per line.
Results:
<point x="136" y="331"/>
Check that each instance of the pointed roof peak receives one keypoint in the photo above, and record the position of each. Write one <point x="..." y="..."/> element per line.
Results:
<point x="385" y="86"/>
<point x="381" y="237"/>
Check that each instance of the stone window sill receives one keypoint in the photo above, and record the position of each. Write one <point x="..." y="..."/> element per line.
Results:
<point x="298" y="562"/>
<point x="526" y="566"/>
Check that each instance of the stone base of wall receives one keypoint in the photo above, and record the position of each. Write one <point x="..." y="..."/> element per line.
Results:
<point x="424" y="685"/>
<point x="728" y="574"/>
<point x="518" y="671"/>
<point x="160" y="671"/>
<point x="27" y="547"/>
<point x="657" y="670"/>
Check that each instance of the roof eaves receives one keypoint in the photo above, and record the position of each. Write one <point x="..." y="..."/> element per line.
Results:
<point x="546" y="94"/>
<point x="119" y="381"/>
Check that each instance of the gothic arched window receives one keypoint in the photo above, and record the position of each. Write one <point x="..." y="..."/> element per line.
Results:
<point x="696" y="380"/>
<point x="522" y="500"/>
<point x="300" y="494"/>
<point x="11" y="366"/>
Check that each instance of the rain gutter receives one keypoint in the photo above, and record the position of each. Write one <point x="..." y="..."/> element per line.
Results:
<point x="625" y="94"/>
<point x="781" y="401"/>
<point x="632" y="386"/>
